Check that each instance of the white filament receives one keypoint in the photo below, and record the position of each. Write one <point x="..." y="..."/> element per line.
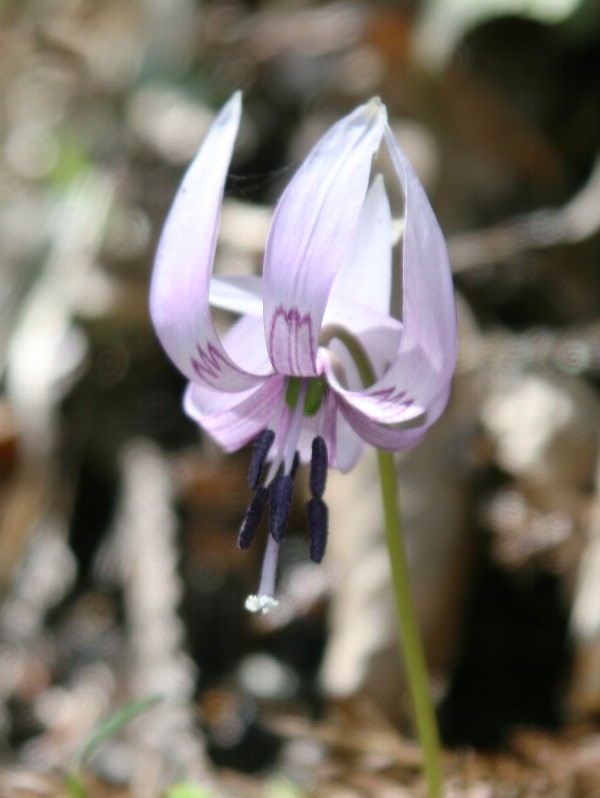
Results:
<point x="264" y="601"/>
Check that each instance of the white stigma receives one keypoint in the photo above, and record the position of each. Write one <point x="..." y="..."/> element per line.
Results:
<point x="262" y="602"/>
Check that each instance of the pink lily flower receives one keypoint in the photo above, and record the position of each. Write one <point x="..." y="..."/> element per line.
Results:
<point x="284" y="376"/>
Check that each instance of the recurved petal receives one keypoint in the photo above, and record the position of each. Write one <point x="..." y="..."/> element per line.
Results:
<point x="179" y="292"/>
<point x="427" y="355"/>
<point x="385" y="405"/>
<point x="366" y="271"/>
<point x="419" y="376"/>
<point x="379" y="435"/>
<point x="238" y="294"/>
<point x="310" y="234"/>
<point x="245" y="344"/>
<point x="234" y="419"/>
<point x="378" y="333"/>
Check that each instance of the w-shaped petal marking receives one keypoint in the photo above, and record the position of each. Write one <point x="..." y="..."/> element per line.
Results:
<point x="291" y="341"/>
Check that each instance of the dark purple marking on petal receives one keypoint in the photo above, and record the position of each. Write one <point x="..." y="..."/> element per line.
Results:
<point x="279" y="506"/>
<point x="252" y="518"/>
<point x="260" y="450"/>
<point x="390" y="395"/>
<point x="211" y="363"/>
<point x="318" y="527"/>
<point x="298" y="352"/>
<point x="318" y="467"/>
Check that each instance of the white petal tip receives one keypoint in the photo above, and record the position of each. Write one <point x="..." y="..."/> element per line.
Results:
<point x="376" y="106"/>
<point x="263" y="603"/>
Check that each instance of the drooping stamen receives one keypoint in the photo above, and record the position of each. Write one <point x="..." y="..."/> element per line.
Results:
<point x="295" y="464"/>
<point x="265" y="600"/>
<point x="288" y="431"/>
<point x="318" y="467"/>
<point x="278" y="483"/>
<point x="260" y="450"/>
<point x="294" y="430"/>
<point x="318" y="523"/>
<point x="252" y="518"/>
<point x="279" y="506"/>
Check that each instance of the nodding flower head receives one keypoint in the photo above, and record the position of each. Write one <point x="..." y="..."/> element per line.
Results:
<point x="287" y="375"/>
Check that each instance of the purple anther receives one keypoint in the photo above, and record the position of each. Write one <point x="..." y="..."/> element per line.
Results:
<point x="260" y="450"/>
<point x="279" y="506"/>
<point x="318" y="525"/>
<point x="318" y="467"/>
<point x="252" y="518"/>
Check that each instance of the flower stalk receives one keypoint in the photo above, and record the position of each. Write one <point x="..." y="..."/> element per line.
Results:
<point x="409" y="637"/>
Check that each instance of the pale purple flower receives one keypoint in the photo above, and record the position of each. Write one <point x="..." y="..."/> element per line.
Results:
<point x="280" y="376"/>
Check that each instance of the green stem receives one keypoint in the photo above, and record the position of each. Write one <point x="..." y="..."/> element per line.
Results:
<point x="414" y="658"/>
<point x="409" y="634"/>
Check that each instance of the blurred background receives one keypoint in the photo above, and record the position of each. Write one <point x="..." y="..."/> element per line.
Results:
<point x="120" y="577"/>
